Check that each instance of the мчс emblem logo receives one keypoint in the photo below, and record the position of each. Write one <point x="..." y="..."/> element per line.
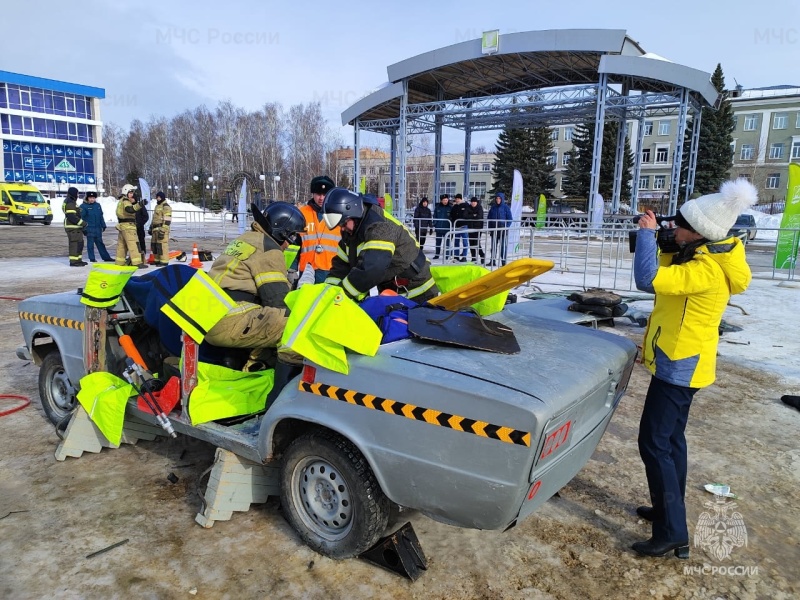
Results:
<point x="721" y="529"/>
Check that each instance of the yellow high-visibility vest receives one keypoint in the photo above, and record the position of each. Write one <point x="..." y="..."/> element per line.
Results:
<point x="198" y="306"/>
<point x="104" y="284"/>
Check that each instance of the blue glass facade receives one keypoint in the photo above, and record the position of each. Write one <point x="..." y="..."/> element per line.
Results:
<point x="43" y="163"/>
<point x="47" y="113"/>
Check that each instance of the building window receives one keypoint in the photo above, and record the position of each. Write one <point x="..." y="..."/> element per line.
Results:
<point x="796" y="149"/>
<point x="662" y="154"/>
<point x="648" y="128"/>
<point x="451" y="167"/>
<point x="554" y="134"/>
<point x="363" y="171"/>
<point x="644" y="182"/>
<point x="776" y="151"/>
<point x="797" y="121"/>
<point x="486" y="167"/>
<point x="746" y="176"/>
<point x="569" y="130"/>
<point x="735" y="121"/>
<point x="750" y="122"/>
<point x="460" y="167"/>
<point x="780" y="121"/>
<point x="565" y="159"/>
<point x="553" y="158"/>
<point x="646" y="155"/>
<point x="747" y="152"/>
<point x="372" y="170"/>
<point x="663" y="128"/>
<point x="473" y="166"/>
<point x="477" y="189"/>
<point x="447" y="187"/>
<point x="773" y="181"/>
<point x="733" y="147"/>
<point x="659" y="182"/>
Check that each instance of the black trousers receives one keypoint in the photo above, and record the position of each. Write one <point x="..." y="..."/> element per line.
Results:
<point x="140" y="235"/>
<point x="662" y="446"/>
<point x="75" y="238"/>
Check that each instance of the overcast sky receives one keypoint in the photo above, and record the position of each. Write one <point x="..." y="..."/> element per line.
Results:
<point x="162" y="57"/>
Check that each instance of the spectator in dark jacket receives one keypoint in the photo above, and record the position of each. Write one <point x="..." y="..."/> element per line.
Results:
<point x="141" y="220"/>
<point x="499" y="220"/>
<point x="92" y="213"/>
<point x="423" y="224"/>
<point x="474" y="214"/>
<point x="441" y="222"/>
<point x="458" y="217"/>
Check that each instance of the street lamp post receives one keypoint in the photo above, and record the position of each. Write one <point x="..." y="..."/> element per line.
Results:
<point x="275" y="179"/>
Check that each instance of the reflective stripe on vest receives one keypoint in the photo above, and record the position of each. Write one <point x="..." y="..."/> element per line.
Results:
<point x="198" y="306"/>
<point x="104" y="284"/>
<point x="290" y="254"/>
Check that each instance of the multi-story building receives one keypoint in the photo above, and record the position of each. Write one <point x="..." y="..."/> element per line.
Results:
<point x="51" y="133"/>
<point x="766" y="138"/>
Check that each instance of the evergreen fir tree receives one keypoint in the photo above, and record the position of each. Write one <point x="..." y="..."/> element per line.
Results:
<point x="529" y="151"/>
<point x="714" y="153"/>
<point x="578" y="176"/>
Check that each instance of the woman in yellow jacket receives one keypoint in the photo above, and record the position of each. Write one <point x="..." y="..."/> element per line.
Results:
<point x="692" y="287"/>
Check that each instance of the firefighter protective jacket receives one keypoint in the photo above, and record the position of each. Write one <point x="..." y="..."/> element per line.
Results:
<point x="126" y="214"/>
<point x="317" y="235"/>
<point x="72" y="215"/>
<point x="162" y="217"/>
<point x="252" y="269"/>
<point x="381" y="252"/>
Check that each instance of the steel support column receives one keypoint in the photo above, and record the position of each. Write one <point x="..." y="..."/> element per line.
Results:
<point x="597" y="151"/>
<point x="402" y="141"/>
<point x="698" y="115"/>
<point x="637" y="164"/>
<point x="467" y="159"/>
<point x="393" y="166"/>
<point x="437" y="160"/>
<point x="619" y="161"/>
<point x="677" y="155"/>
<point x="356" y="161"/>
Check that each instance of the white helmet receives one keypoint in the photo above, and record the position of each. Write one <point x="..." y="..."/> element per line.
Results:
<point x="127" y="188"/>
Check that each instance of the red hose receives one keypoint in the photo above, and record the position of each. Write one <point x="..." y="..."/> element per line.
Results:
<point x="25" y="402"/>
<point x="11" y="298"/>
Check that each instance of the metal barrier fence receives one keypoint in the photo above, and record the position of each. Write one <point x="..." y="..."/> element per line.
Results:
<point x="600" y="255"/>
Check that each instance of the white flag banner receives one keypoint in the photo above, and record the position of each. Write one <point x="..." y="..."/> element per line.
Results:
<point x="144" y="187"/>
<point x="597" y="211"/>
<point x="516" y="214"/>
<point x="241" y="208"/>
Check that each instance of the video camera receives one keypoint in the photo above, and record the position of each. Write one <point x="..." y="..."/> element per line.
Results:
<point x="665" y="237"/>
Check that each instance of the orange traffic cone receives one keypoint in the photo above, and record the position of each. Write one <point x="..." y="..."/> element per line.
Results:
<point x="195" y="258"/>
<point x="151" y="260"/>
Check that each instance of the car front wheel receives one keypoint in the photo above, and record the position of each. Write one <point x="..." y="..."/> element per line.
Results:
<point x="55" y="390"/>
<point x="330" y="495"/>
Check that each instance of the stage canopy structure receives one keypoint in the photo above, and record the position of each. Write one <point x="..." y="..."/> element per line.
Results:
<point x="552" y="77"/>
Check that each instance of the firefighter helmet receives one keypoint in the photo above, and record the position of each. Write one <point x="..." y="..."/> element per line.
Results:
<point x="128" y="188"/>
<point x="341" y="204"/>
<point x="282" y="221"/>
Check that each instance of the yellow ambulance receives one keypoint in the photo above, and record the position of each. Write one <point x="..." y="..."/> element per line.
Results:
<point x="22" y="203"/>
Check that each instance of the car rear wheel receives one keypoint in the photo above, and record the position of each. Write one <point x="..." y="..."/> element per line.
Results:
<point x="330" y="495"/>
<point x="55" y="390"/>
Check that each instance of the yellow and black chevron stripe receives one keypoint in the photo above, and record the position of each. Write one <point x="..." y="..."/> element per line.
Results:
<point x="419" y="413"/>
<point x="57" y="321"/>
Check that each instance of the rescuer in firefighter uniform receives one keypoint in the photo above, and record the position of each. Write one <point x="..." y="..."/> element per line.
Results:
<point x="159" y="230"/>
<point x="252" y="271"/>
<point x="319" y="240"/>
<point x="74" y="226"/>
<point x="128" y="241"/>
<point x="375" y="250"/>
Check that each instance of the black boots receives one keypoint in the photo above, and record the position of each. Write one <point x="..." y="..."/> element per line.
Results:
<point x="655" y="548"/>
<point x="77" y="263"/>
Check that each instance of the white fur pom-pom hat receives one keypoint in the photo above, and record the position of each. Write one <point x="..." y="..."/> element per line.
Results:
<point x="713" y="215"/>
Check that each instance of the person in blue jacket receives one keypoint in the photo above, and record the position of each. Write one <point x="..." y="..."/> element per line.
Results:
<point x="92" y="213"/>
<point x="498" y="221"/>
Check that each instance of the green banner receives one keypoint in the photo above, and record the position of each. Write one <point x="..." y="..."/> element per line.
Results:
<point x="541" y="212"/>
<point x="786" y="248"/>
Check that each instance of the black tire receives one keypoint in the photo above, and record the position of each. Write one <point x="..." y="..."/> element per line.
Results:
<point x="48" y="222"/>
<point x="341" y="520"/>
<point x="55" y="391"/>
<point x="12" y="219"/>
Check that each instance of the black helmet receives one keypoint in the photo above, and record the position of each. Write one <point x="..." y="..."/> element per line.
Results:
<point x="341" y="204"/>
<point x="282" y="221"/>
<point x="322" y="184"/>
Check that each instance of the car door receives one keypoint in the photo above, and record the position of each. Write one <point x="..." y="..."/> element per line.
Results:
<point x="5" y="205"/>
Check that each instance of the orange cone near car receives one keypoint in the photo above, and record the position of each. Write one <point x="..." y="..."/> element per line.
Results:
<point x="195" y="258"/>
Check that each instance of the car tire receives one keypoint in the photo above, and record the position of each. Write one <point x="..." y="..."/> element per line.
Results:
<point x="55" y="390"/>
<point x="48" y="222"/>
<point x="330" y="496"/>
<point x="12" y="219"/>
